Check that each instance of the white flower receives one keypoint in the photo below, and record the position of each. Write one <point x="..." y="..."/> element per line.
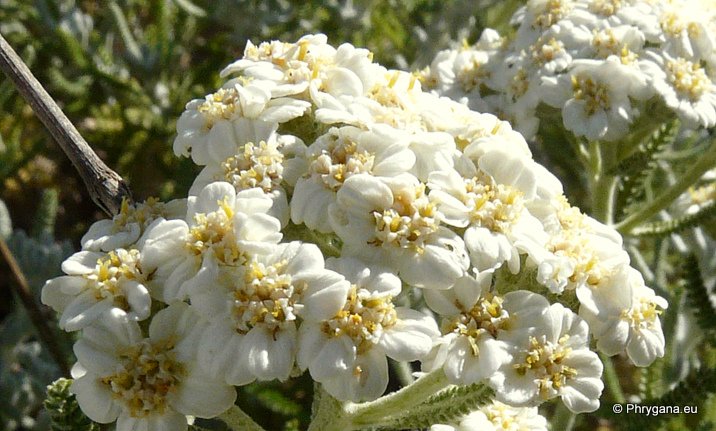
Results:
<point x="264" y="164"/>
<point x="580" y="251"/>
<point x="490" y="203"/>
<point x="125" y="229"/>
<point x="234" y="115"/>
<point x="686" y="87"/>
<point x="623" y="314"/>
<point x="95" y="284"/>
<point x="222" y="229"/>
<point x="553" y="359"/>
<point x="347" y="352"/>
<point x="340" y="154"/>
<point x="497" y="416"/>
<point x="254" y="309"/>
<point x="392" y="221"/>
<point x="595" y="97"/>
<point x="149" y="383"/>
<point x="474" y="317"/>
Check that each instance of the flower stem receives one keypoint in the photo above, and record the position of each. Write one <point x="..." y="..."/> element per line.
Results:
<point x="612" y="379"/>
<point x="603" y="184"/>
<point x="327" y="413"/>
<point x="563" y="419"/>
<point x="366" y="414"/>
<point x="237" y="420"/>
<point x="662" y="201"/>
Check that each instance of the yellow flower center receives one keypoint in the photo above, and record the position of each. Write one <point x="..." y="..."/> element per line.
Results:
<point x="545" y="361"/>
<point x="594" y="94"/>
<point x="259" y="165"/>
<point x="149" y="374"/>
<point x="267" y="296"/>
<point x="642" y="315"/>
<point x="215" y="232"/>
<point x="222" y="105"/>
<point x="407" y="224"/>
<point x="688" y="79"/>
<point x="551" y="13"/>
<point x="111" y="271"/>
<point x="340" y="161"/>
<point x="364" y="318"/>
<point x="496" y="207"/>
<point x="142" y="214"/>
<point x="485" y="318"/>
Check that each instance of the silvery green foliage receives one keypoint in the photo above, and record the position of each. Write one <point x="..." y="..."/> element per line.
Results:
<point x="40" y="257"/>
<point x="25" y="369"/>
<point x="25" y="366"/>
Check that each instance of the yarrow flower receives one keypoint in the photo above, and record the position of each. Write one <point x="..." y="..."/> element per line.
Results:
<point x="253" y="312"/>
<point x="347" y="351"/>
<point x="551" y="360"/>
<point x="97" y="284"/>
<point x="150" y="383"/>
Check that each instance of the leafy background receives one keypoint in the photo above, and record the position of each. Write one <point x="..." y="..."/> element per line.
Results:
<point x="122" y="70"/>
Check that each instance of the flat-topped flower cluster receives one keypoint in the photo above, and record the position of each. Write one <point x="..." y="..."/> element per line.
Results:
<point x="603" y="63"/>
<point x="429" y="233"/>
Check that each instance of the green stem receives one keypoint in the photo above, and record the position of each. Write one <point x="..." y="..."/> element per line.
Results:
<point x="603" y="184"/>
<point x="612" y="379"/>
<point x="662" y="201"/>
<point x="328" y="414"/>
<point x="402" y="371"/>
<point x="367" y="413"/>
<point x="563" y="419"/>
<point x="237" y="420"/>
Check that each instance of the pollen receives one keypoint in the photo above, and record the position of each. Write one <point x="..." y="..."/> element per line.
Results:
<point x="141" y="213"/>
<point x="544" y="361"/>
<point x="688" y="79"/>
<point x="257" y="165"/>
<point x="484" y="319"/>
<point x="214" y="232"/>
<point x="407" y="224"/>
<point x="267" y="296"/>
<point x="222" y="105"/>
<point x="111" y="271"/>
<point x="496" y="207"/>
<point x="364" y="318"/>
<point x="339" y="161"/>
<point x="148" y="374"/>
<point x="594" y="94"/>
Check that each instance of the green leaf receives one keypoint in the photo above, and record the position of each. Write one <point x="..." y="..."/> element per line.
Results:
<point x="447" y="406"/>
<point x="635" y="170"/>
<point x="693" y="390"/>
<point x="667" y="227"/>
<point x="65" y="412"/>
<point x="697" y="296"/>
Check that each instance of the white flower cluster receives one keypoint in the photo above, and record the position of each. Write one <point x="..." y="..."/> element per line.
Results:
<point x="408" y="191"/>
<point x="604" y="63"/>
<point x="498" y="417"/>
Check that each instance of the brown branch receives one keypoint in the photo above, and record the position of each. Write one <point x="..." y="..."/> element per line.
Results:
<point x="105" y="186"/>
<point x="22" y="289"/>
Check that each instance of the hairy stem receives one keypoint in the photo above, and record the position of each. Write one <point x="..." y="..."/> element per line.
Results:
<point x="105" y="186"/>
<point x="366" y="414"/>
<point x="327" y="412"/>
<point x="611" y="378"/>
<point x="237" y="420"/>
